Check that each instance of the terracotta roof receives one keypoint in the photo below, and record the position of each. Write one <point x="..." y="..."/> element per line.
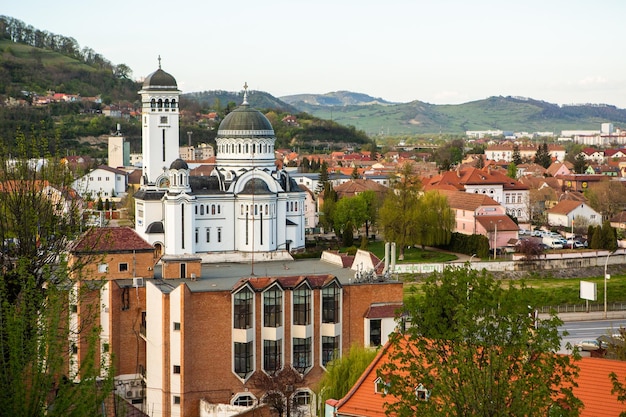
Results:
<point x="260" y="283"/>
<point x="565" y="207"/>
<point x="381" y="311"/>
<point x="467" y="201"/>
<point x="109" y="240"/>
<point x="619" y="217"/>
<point x="460" y="178"/>
<point x="355" y="186"/>
<point x="504" y="222"/>
<point x="593" y="389"/>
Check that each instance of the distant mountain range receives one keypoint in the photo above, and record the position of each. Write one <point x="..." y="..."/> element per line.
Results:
<point x="379" y="117"/>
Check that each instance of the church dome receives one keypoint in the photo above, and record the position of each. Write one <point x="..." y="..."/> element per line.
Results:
<point x="245" y="118"/>
<point x="160" y="80"/>
<point x="179" y="164"/>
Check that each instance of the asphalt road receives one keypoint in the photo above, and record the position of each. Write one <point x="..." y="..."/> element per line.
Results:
<point x="590" y="329"/>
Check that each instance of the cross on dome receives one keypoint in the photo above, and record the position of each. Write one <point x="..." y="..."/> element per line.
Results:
<point x="245" y="93"/>
<point x="159" y="61"/>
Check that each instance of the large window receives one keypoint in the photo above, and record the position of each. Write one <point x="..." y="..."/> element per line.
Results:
<point x="242" y="309"/>
<point x="272" y="355"/>
<point x="330" y="303"/>
<point x="272" y="307"/>
<point x="302" y="354"/>
<point x="330" y="348"/>
<point x="302" y="306"/>
<point x="243" y="359"/>
<point x="375" y="331"/>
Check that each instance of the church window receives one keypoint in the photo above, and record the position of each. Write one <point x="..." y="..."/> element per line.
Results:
<point x="196" y="235"/>
<point x="292" y="206"/>
<point x="167" y="103"/>
<point x="287" y="205"/>
<point x="160" y="104"/>
<point x="208" y="234"/>
<point x="219" y="209"/>
<point x="241" y="206"/>
<point x="239" y="148"/>
<point x="254" y="148"/>
<point x="219" y="234"/>
<point x="153" y="103"/>
<point x="212" y="208"/>
<point x="163" y="144"/>
<point x="182" y="225"/>
<point x="256" y="207"/>
<point x="296" y="206"/>
<point x="266" y="209"/>
<point x="247" y="149"/>
<point x="201" y="209"/>
<point x="173" y="103"/>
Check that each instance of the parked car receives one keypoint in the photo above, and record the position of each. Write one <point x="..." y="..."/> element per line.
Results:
<point x="537" y="233"/>
<point x="588" y="345"/>
<point x="523" y="232"/>
<point x="573" y="244"/>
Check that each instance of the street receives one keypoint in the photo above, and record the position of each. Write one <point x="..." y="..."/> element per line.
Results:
<point x="579" y="330"/>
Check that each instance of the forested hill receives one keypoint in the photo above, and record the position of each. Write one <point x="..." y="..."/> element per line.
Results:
<point x="33" y="62"/>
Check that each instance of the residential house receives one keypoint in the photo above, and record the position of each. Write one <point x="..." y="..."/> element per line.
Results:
<point x="559" y="168"/>
<point x="510" y="193"/>
<point x="103" y="182"/>
<point x="311" y="212"/>
<point x="579" y="182"/>
<point x="593" y="387"/>
<point x="619" y="221"/>
<point x="567" y="212"/>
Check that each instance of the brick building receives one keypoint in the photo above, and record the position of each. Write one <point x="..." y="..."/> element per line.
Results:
<point x="192" y="346"/>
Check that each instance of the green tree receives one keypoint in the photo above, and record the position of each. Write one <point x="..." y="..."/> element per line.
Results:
<point x="328" y="208"/>
<point x="477" y="349"/>
<point x="435" y="220"/>
<point x="342" y="373"/>
<point x="323" y="180"/>
<point x="399" y="212"/>
<point x="517" y="157"/>
<point x="608" y="236"/>
<point x="511" y="171"/>
<point x="35" y="377"/>
<point x="619" y="388"/>
<point x="355" y="173"/>
<point x="542" y="156"/>
<point x="580" y="164"/>
<point x="352" y="210"/>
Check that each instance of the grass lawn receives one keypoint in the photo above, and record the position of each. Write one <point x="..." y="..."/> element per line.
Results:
<point x="556" y="291"/>
<point x="412" y="255"/>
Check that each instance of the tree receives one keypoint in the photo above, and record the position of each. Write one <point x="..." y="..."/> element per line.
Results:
<point x="580" y="164"/>
<point x="542" y="156"/>
<point x="530" y="248"/>
<point x="399" y="213"/>
<point x="511" y="171"/>
<point x="619" y="388"/>
<point x="608" y="236"/>
<point x="477" y="349"/>
<point x="35" y="376"/>
<point x="328" y="208"/>
<point x="358" y="210"/>
<point x="355" y="173"/>
<point x="607" y="197"/>
<point x="323" y="181"/>
<point x="342" y="373"/>
<point x="435" y="220"/>
<point x="517" y="157"/>
<point x="279" y="388"/>
<point x="480" y="162"/>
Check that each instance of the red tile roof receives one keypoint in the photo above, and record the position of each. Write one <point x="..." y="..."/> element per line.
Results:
<point x="565" y="207"/>
<point x="110" y="240"/>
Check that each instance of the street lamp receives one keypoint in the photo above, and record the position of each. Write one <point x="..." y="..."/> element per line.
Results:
<point x="495" y="237"/>
<point x="606" y="277"/>
<point x="472" y="257"/>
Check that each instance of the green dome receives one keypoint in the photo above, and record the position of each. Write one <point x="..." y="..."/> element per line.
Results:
<point x="245" y="118"/>
<point x="160" y="80"/>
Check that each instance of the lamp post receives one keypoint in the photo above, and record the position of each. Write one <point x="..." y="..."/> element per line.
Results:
<point x="495" y="238"/>
<point x="606" y="277"/>
<point x="472" y="257"/>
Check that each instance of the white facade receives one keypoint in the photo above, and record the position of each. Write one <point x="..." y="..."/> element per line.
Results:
<point x="246" y="204"/>
<point x="103" y="182"/>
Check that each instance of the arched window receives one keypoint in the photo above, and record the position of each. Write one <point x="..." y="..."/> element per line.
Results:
<point x="167" y="104"/>
<point x="160" y="104"/>
<point x="173" y="103"/>
<point x="153" y="103"/>
<point x="212" y="208"/>
<point x="201" y="210"/>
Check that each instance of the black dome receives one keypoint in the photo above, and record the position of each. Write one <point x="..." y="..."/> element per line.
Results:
<point x="245" y="118"/>
<point x="256" y="186"/>
<point x="179" y="164"/>
<point x="160" y="80"/>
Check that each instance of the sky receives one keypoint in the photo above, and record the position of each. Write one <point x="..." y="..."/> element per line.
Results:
<point x="438" y="51"/>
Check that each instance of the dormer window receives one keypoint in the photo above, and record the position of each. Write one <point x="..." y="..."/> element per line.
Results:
<point x="421" y="393"/>
<point x="380" y="386"/>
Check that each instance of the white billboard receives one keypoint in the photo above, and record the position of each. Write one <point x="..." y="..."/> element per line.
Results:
<point x="588" y="291"/>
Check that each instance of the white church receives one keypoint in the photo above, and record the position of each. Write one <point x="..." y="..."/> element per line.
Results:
<point x="246" y="208"/>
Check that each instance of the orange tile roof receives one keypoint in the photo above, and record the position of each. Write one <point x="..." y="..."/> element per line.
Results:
<point x="110" y="240"/>
<point x="565" y="207"/>
<point x="593" y="389"/>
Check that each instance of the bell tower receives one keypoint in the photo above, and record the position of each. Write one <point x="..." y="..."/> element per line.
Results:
<point x="159" y="119"/>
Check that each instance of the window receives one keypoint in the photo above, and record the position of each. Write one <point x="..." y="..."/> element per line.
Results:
<point x="208" y="234"/>
<point x="422" y="393"/>
<point x="176" y="325"/>
<point x="196" y="234"/>
<point x="242" y="309"/>
<point x="330" y="349"/>
<point x="302" y="306"/>
<point x="123" y="267"/>
<point x="507" y="199"/>
<point x="375" y="330"/>
<point x="243" y="359"/>
<point x="102" y="268"/>
<point x="176" y="399"/>
<point x="272" y="355"/>
<point x="302" y="354"/>
<point x="219" y="234"/>
<point x="176" y="369"/>
<point x="302" y="398"/>
<point x="244" y="400"/>
<point x="380" y="386"/>
<point x="272" y="307"/>
<point x="163" y="119"/>
<point x="73" y="308"/>
<point x="330" y="303"/>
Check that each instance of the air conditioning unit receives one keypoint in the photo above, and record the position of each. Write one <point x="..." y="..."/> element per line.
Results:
<point x="129" y="393"/>
<point x="193" y="276"/>
<point x="141" y="393"/>
<point x="137" y="282"/>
